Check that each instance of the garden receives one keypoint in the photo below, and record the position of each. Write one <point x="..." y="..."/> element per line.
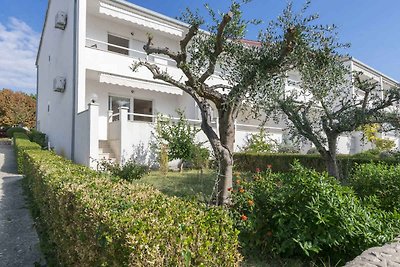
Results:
<point x="285" y="209"/>
<point x="268" y="205"/>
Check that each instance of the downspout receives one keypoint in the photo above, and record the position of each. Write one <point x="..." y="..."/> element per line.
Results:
<point x="75" y="80"/>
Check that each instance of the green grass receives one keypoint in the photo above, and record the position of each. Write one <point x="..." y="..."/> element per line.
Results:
<point x="189" y="184"/>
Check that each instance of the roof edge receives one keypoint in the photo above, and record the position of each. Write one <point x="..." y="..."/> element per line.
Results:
<point x="374" y="70"/>
<point x="41" y="36"/>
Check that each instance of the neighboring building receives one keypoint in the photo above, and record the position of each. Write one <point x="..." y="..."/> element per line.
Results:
<point x="92" y="105"/>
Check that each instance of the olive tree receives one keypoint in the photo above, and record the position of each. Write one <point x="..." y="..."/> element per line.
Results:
<point x="216" y="49"/>
<point x="330" y="100"/>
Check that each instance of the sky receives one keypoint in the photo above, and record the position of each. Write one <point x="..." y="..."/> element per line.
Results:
<point x="372" y="27"/>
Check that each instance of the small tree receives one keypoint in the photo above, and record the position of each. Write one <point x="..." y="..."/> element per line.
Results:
<point x="370" y="133"/>
<point x="17" y="108"/>
<point x="220" y="52"/>
<point x="178" y="137"/>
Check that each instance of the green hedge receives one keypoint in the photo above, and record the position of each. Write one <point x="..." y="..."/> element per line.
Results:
<point x="283" y="162"/>
<point x="92" y="220"/>
<point x="21" y="144"/>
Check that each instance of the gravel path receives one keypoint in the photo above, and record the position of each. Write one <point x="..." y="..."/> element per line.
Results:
<point x="19" y="243"/>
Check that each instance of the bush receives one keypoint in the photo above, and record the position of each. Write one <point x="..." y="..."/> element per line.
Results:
<point x="92" y="220"/>
<point x="129" y="171"/>
<point x="11" y="131"/>
<point x="38" y="137"/>
<point x="307" y="214"/>
<point x="380" y="181"/>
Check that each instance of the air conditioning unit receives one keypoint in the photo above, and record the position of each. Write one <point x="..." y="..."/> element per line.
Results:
<point x="59" y="84"/>
<point x="61" y="20"/>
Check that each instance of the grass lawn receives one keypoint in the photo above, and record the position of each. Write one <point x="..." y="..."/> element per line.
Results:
<point x="189" y="184"/>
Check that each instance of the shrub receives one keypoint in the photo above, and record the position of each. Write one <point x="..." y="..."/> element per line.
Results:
<point x="307" y="214"/>
<point x="21" y="144"/>
<point x="38" y="137"/>
<point x="11" y="131"/>
<point x="258" y="143"/>
<point x="129" y="171"/>
<point x="92" y="220"/>
<point x="380" y="181"/>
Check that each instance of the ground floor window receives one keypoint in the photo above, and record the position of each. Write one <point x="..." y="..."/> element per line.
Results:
<point x="144" y="107"/>
<point x="139" y="106"/>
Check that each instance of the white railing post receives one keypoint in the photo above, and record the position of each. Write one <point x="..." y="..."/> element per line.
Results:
<point x="94" y="134"/>
<point x="110" y="116"/>
<point x="123" y="123"/>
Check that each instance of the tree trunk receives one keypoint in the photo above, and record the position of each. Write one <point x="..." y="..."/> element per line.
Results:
<point x="227" y="138"/>
<point x="331" y="158"/>
<point x="223" y="149"/>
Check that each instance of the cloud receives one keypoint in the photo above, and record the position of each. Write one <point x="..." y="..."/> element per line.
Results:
<point x="18" y="48"/>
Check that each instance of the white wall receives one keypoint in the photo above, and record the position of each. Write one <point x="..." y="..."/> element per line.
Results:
<point x="162" y="102"/>
<point x="83" y="138"/>
<point x="56" y="59"/>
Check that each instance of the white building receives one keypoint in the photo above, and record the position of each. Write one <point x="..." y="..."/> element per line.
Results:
<point x="92" y="105"/>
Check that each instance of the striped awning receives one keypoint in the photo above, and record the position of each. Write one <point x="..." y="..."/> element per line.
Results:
<point x="124" y="14"/>
<point x="139" y="84"/>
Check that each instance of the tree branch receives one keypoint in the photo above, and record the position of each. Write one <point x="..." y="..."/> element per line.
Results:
<point x="218" y="48"/>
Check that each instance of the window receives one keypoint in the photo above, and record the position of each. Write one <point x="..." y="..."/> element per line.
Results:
<point x="120" y="42"/>
<point x="115" y="102"/>
<point x="143" y="107"/>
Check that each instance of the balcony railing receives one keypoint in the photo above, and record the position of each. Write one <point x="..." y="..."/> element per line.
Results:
<point x="132" y="53"/>
<point x="153" y="119"/>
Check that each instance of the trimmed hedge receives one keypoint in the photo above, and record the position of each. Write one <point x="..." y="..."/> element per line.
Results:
<point x="92" y="220"/>
<point x="21" y="144"/>
<point x="283" y="162"/>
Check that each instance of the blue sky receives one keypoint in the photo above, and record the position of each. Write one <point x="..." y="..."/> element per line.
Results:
<point x="371" y="26"/>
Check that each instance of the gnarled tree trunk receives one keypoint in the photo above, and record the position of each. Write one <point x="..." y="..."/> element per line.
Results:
<point x="331" y="158"/>
<point x="223" y="149"/>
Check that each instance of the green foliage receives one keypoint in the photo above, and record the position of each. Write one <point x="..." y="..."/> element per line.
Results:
<point x="370" y="132"/>
<point x="368" y="154"/>
<point x="201" y="157"/>
<point x="380" y="181"/>
<point x="38" y="137"/>
<point x="92" y="220"/>
<point x="128" y="171"/>
<point x="179" y="139"/>
<point x="282" y="162"/>
<point x="21" y="144"/>
<point x="11" y="131"/>
<point x="307" y="214"/>
<point x="257" y="143"/>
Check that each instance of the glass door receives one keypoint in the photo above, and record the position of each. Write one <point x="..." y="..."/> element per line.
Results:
<point x="115" y="102"/>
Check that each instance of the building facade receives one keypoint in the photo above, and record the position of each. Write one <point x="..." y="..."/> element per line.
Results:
<point x="92" y="105"/>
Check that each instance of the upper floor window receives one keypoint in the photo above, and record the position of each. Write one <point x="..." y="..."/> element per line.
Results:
<point x="117" y="44"/>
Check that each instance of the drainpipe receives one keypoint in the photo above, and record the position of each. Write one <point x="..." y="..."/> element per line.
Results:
<point x="75" y="80"/>
<point x="37" y="95"/>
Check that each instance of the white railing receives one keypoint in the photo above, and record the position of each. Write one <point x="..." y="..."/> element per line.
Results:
<point x="131" y="116"/>
<point x="133" y="53"/>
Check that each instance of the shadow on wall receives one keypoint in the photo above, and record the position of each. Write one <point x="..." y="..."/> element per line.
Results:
<point x="145" y="155"/>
